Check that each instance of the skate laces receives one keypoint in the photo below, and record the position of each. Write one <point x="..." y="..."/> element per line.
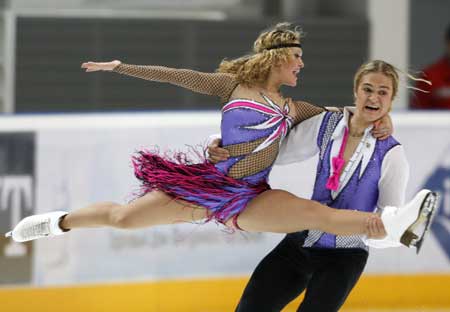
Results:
<point x="36" y="228"/>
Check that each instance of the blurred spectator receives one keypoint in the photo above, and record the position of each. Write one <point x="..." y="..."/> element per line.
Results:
<point x="438" y="94"/>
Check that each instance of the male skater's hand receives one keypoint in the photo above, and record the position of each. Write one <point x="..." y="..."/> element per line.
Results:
<point x="216" y="153"/>
<point x="383" y="128"/>
<point x="375" y="228"/>
<point x="106" y="66"/>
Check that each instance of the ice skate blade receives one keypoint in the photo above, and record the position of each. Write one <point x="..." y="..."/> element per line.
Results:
<point x="408" y="237"/>
<point x="434" y="204"/>
<point x="426" y="214"/>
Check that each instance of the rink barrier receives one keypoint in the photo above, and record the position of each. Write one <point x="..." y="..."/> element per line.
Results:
<point x="391" y="292"/>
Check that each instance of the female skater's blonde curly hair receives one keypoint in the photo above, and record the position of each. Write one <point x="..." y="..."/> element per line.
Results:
<point x="255" y="68"/>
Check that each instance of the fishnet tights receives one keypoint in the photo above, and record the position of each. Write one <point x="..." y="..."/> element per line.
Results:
<point x="224" y="86"/>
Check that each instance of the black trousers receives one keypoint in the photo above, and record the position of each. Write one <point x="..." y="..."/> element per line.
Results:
<point x="328" y="275"/>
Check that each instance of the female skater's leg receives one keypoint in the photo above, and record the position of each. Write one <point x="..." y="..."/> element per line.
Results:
<point x="153" y="208"/>
<point x="282" y="212"/>
<point x="272" y="211"/>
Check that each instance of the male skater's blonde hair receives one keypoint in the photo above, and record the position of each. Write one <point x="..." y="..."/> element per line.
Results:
<point x="382" y="67"/>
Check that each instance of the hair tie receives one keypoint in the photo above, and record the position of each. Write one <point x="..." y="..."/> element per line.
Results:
<point x="284" y="45"/>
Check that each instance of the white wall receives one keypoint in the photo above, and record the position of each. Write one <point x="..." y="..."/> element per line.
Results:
<point x="389" y="38"/>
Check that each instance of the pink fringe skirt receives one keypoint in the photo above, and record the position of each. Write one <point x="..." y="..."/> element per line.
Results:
<point x="200" y="184"/>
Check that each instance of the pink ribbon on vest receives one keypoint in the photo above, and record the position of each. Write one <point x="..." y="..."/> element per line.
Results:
<point x="338" y="164"/>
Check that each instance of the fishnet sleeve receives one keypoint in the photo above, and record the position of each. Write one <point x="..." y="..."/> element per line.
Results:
<point x="217" y="84"/>
<point x="304" y="110"/>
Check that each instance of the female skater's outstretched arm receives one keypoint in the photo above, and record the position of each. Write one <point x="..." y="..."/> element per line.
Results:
<point x="217" y="84"/>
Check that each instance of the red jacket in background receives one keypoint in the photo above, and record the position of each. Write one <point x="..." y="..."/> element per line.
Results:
<point x="439" y="93"/>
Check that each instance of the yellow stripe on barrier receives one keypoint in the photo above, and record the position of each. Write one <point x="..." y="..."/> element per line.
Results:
<point x="219" y="295"/>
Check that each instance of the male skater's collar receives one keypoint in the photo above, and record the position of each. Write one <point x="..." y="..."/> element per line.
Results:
<point x="362" y="154"/>
<point x="339" y="130"/>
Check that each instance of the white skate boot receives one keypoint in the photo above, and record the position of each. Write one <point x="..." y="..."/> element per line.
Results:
<point x="400" y="223"/>
<point x="37" y="226"/>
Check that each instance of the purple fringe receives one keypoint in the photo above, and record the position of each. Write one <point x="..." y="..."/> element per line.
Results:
<point x="196" y="183"/>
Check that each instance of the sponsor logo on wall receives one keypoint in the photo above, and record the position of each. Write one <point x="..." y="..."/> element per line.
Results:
<point x="439" y="181"/>
<point x="17" y="153"/>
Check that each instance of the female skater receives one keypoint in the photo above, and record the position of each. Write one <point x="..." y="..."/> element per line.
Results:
<point x="255" y="119"/>
<point x="376" y="174"/>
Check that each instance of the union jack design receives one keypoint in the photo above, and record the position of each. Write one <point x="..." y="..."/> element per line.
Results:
<point x="279" y="118"/>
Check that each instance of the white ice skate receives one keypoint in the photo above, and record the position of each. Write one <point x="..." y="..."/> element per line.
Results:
<point x="37" y="226"/>
<point x="400" y="223"/>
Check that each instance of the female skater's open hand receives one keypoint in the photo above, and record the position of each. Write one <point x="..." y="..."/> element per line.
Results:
<point x="383" y="128"/>
<point x="107" y="66"/>
<point x="375" y="228"/>
<point x="216" y="153"/>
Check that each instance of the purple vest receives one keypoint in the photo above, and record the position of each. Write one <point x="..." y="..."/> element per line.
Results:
<point x="360" y="192"/>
